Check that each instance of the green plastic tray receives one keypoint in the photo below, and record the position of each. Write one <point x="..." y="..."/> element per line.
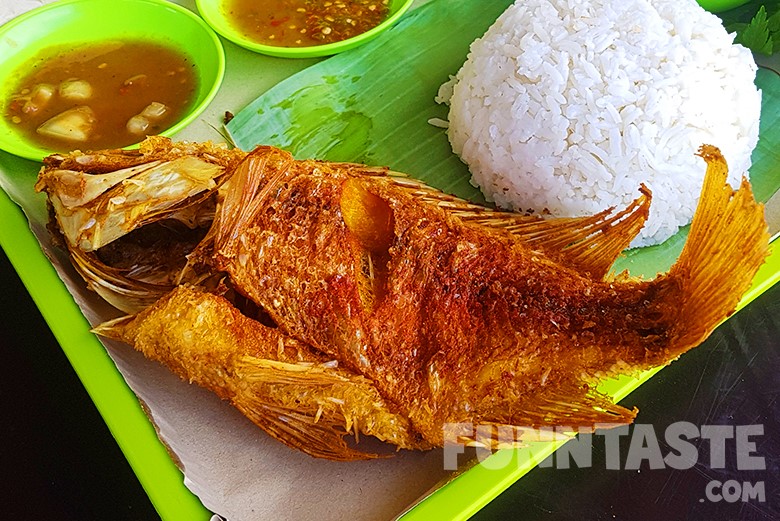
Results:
<point x="163" y="482"/>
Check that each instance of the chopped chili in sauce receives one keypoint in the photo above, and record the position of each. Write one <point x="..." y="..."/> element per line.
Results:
<point x="301" y="23"/>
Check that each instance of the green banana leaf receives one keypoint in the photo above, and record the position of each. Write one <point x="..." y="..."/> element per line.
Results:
<point x="372" y="105"/>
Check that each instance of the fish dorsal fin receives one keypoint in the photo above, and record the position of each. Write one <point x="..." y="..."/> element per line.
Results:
<point x="588" y="244"/>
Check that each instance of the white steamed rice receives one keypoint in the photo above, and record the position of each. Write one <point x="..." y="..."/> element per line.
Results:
<point x="566" y="106"/>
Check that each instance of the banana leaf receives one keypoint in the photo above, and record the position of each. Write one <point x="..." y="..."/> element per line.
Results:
<point x="372" y="105"/>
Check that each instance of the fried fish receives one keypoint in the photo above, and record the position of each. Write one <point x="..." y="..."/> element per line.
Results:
<point x="451" y="312"/>
<point x="457" y="321"/>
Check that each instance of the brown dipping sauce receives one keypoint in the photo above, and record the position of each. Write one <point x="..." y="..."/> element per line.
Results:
<point x="104" y="95"/>
<point x="300" y="23"/>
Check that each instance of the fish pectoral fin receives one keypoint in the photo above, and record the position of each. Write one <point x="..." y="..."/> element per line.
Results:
<point x="368" y="217"/>
<point x="588" y="244"/>
<point x="312" y="407"/>
<point x="253" y="181"/>
<point x="298" y="430"/>
<point x="284" y="400"/>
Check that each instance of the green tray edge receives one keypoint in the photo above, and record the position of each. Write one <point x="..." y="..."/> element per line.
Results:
<point x="162" y="481"/>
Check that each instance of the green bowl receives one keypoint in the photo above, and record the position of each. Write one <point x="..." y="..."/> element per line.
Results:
<point x="76" y="22"/>
<point x="213" y="11"/>
<point x="716" y="6"/>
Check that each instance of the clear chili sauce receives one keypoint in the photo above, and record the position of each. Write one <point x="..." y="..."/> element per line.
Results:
<point x="300" y="23"/>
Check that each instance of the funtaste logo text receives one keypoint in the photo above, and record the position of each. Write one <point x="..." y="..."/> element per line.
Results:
<point x="685" y="445"/>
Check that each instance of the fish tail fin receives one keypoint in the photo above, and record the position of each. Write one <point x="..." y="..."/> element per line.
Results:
<point x="727" y="243"/>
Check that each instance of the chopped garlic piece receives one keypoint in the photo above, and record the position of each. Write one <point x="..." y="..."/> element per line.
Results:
<point x="42" y="93"/>
<point x="76" y="90"/>
<point x="155" y="110"/>
<point x="138" y="124"/>
<point x="74" y="124"/>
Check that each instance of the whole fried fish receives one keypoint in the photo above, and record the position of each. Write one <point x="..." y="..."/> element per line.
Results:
<point x="458" y="320"/>
<point x="450" y="311"/>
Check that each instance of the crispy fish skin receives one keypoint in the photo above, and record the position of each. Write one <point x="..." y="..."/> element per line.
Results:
<point x="153" y="148"/>
<point x="460" y="322"/>
<point x="107" y="199"/>
<point x="98" y="197"/>
<point x="297" y="395"/>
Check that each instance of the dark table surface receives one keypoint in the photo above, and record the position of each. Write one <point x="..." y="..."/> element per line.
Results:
<point x="60" y="462"/>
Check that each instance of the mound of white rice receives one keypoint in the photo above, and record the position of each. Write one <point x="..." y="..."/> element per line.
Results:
<point x="566" y="106"/>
